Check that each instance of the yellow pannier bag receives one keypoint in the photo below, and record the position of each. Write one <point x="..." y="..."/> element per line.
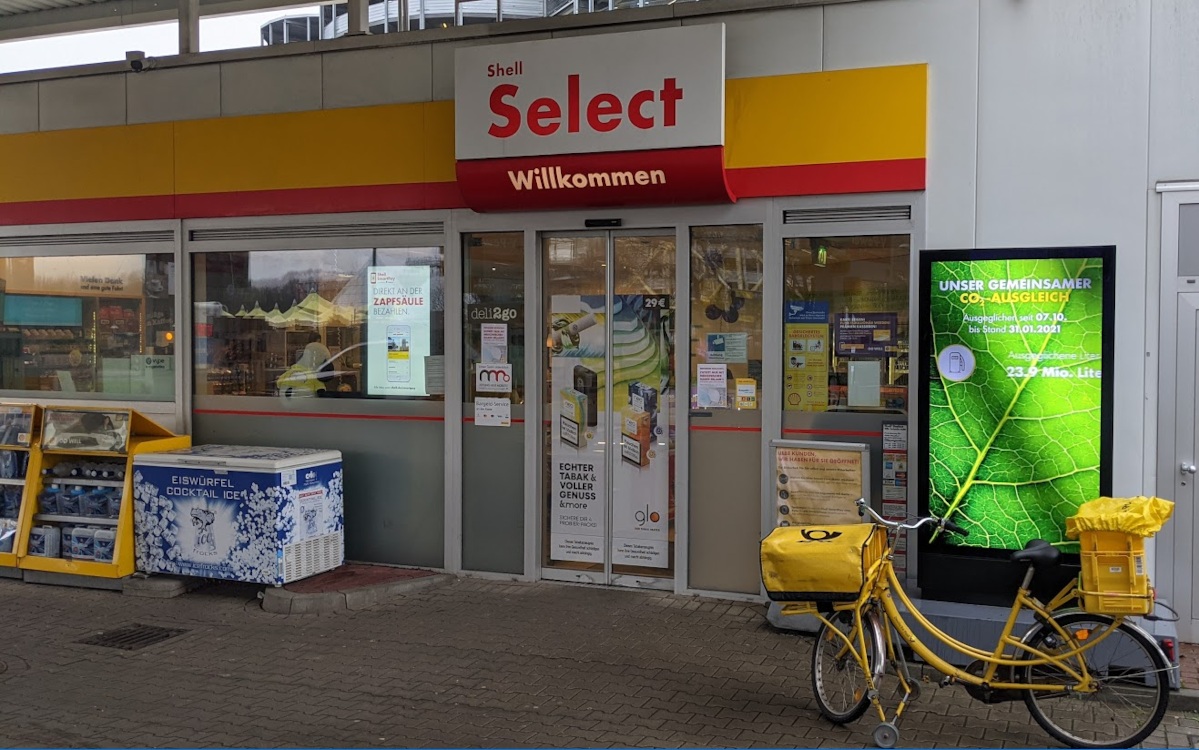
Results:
<point x="1138" y="516"/>
<point x="820" y="563"/>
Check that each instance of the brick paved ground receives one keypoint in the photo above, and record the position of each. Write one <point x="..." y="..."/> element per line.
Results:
<point x="472" y="663"/>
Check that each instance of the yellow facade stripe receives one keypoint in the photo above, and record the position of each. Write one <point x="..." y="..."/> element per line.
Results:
<point x="811" y="118"/>
<point x="869" y="114"/>
<point x="384" y="145"/>
<point x="115" y="162"/>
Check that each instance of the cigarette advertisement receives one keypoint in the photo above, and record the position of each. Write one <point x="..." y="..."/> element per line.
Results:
<point x="1016" y="377"/>
<point x="398" y="331"/>
<point x="578" y="499"/>
<point x="635" y="430"/>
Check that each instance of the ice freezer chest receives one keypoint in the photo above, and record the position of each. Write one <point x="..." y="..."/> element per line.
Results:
<point x="260" y="515"/>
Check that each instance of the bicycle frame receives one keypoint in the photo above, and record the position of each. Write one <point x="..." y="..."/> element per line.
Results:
<point x="884" y="589"/>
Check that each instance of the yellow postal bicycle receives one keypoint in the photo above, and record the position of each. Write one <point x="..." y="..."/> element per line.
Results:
<point x="1091" y="680"/>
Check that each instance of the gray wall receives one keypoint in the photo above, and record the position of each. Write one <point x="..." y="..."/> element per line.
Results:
<point x="394" y="475"/>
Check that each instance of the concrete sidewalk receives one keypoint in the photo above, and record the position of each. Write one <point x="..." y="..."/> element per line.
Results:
<point x="468" y="663"/>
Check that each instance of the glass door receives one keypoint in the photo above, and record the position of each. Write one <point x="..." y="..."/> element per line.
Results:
<point x="609" y="393"/>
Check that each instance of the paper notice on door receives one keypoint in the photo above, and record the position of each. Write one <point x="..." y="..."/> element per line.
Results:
<point x="865" y="383"/>
<point x="493" y="412"/>
<point x="493" y="343"/>
<point x="711" y="383"/>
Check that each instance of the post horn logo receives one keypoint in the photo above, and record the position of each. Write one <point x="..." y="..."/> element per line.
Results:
<point x="819" y="535"/>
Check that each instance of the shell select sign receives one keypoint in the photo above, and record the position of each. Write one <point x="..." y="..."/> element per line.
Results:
<point x="657" y="89"/>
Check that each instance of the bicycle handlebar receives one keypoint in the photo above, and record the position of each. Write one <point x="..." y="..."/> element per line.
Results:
<point x="944" y="523"/>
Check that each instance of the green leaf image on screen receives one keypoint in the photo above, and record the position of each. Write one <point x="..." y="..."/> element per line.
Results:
<point x="1015" y="445"/>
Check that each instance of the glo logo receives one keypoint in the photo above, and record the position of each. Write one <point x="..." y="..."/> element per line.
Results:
<point x="643" y="516"/>
<point x="819" y="535"/>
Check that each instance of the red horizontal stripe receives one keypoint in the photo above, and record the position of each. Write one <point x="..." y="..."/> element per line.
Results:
<point x="753" y="182"/>
<point x="854" y="433"/>
<point x="426" y="195"/>
<point x="828" y="179"/>
<point x="417" y="196"/>
<point x="703" y="428"/>
<point x="136" y="208"/>
<point x="319" y="415"/>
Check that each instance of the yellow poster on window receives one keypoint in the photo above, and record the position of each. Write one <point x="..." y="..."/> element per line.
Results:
<point x="805" y="373"/>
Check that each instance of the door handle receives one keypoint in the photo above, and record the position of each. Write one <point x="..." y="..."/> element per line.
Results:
<point x="1186" y="468"/>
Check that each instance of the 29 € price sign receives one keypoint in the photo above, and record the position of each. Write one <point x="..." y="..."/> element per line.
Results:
<point x="1017" y="346"/>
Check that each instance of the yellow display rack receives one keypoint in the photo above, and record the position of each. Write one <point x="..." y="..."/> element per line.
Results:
<point x="21" y="440"/>
<point x="127" y="433"/>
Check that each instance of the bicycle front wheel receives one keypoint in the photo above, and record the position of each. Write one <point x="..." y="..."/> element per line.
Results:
<point x="837" y="678"/>
<point x="1131" y="676"/>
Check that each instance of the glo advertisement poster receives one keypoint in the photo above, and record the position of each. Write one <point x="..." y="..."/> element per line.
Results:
<point x="1018" y="344"/>
<point x="636" y="430"/>
<point x="398" y="303"/>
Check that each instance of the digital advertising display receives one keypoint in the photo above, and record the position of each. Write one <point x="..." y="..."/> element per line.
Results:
<point x="1017" y="347"/>
<point x="397" y="328"/>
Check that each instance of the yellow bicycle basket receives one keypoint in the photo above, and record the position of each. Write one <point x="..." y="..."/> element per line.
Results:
<point x="820" y="563"/>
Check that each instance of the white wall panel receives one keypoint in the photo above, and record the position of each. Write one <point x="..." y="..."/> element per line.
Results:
<point x="443" y="61"/>
<point x="771" y="44"/>
<point x="285" y="84"/>
<point x="190" y="93"/>
<point x="1062" y="158"/>
<point x="93" y="101"/>
<point x="944" y="34"/>
<point x="1174" y="100"/>
<point x="391" y="75"/>
<point x="18" y="108"/>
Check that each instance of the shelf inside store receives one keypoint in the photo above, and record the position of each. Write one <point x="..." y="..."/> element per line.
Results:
<point x="12" y="482"/>
<point x="82" y="482"/>
<point x="79" y="520"/>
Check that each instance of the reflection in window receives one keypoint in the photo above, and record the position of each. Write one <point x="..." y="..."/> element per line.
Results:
<point x="726" y="306"/>
<point x="494" y="300"/>
<point x="101" y="324"/>
<point x="320" y="323"/>
<point x="846" y="327"/>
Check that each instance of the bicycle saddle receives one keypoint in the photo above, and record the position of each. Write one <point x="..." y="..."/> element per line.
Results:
<point x="1038" y="552"/>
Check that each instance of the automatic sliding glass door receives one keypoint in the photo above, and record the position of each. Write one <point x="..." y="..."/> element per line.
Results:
<point x="609" y="455"/>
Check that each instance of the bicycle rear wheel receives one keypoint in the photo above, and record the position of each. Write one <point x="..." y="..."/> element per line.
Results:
<point x="1132" y="692"/>
<point x="838" y="681"/>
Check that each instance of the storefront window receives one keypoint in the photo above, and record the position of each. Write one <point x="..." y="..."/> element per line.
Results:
<point x="355" y="323"/>
<point x="97" y="324"/>
<point x="846" y="327"/>
<point x="726" y="314"/>
<point x="493" y="310"/>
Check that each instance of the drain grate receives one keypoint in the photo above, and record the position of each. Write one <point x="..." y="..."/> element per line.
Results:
<point x="131" y="637"/>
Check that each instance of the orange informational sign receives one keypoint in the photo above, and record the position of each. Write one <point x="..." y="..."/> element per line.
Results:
<point x="818" y="483"/>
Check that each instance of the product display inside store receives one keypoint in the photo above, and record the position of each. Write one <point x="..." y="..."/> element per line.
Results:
<point x="320" y="323"/>
<point x="846" y="324"/>
<point x="101" y="324"/>
<point x="88" y="324"/>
